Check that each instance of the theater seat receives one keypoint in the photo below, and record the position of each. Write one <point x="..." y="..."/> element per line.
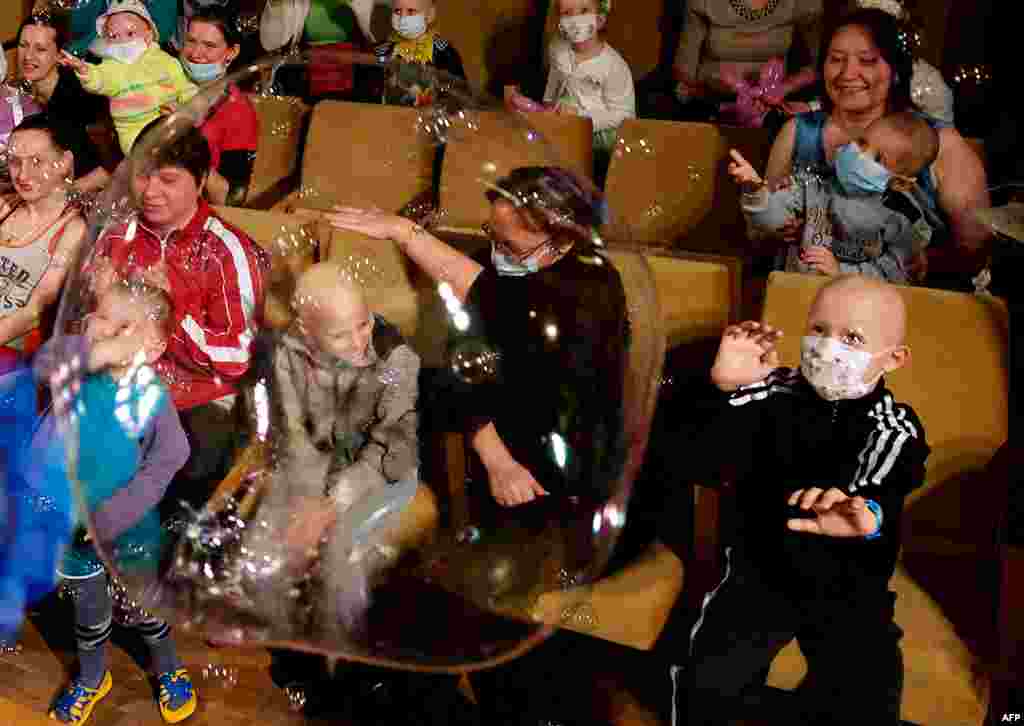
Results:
<point x="668" y="186"/>
<point x="502" y="142"/>
<point x="363" y="155"/>
<point x="948" y="570"/>
<point x="278" y="151"/>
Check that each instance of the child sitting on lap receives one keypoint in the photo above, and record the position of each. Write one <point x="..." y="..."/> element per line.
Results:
<point x="821" y="459"/>
<point x="137" y="76"/>
<point x="870" y="218"/>
<point x="129" y="444"/>
<point x="345" y="386"/>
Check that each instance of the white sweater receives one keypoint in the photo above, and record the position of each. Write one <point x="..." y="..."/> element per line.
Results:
<point x="600" y="88"/>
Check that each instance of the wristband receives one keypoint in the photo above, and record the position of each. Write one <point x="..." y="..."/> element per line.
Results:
<point x="876" y="509"/>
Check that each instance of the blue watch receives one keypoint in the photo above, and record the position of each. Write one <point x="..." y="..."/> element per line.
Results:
<point x="876" y="509"/>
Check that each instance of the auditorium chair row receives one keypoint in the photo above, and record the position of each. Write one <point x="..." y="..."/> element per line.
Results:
<point x="957" y="382"/>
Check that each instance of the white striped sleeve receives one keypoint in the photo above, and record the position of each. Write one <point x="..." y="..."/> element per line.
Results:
<point x="887" y="440"/>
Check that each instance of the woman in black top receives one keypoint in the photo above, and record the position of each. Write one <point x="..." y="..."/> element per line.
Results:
<point x="57" y="88"/>
<point x="539" y="338"/>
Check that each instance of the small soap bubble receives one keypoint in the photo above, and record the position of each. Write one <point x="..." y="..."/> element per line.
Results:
<point x="219" y="675"/>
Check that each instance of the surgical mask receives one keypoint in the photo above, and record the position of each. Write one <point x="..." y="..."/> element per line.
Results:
<point x="204" y="72"/>
<point x="578" y="28"/>
<point x="858" y="173"/>
<point x="127" y="52"/>
<point x="835" y="370"/>
<point x="510" y="266"/>
<point x="409" y="27"/>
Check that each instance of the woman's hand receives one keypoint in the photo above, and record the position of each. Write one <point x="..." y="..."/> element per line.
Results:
<point x="746" y="355"/>
<point x="838" y="515"/>
<point x="741" y="170"/>
<point x="820" y="259"/>
<point x="79" y="66"/>
<point x="371" y="222"/>
<point x="512" y="484"/>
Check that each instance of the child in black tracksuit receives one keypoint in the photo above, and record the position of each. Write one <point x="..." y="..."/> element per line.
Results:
<point x="825" y="450"/>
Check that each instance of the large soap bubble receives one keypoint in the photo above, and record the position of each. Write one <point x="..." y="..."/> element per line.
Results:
<point x="357" y="519"/>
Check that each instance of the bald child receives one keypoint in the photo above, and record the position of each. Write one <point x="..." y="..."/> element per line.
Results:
<point x="820" y="459"/>
<point x="344" y="430"/>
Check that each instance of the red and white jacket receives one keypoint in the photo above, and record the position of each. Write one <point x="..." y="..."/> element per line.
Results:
<point x="216" y="279"/>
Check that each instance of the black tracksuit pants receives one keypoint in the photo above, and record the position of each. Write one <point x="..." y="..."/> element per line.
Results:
<point x="855" y="667"/>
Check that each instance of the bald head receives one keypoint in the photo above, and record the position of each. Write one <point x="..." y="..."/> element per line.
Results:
<point x="325" y="284"/>
<point x="332" y="312"/>
<point x="871" y="310"/>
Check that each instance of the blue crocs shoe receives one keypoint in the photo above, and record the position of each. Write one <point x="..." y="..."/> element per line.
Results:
<point x="75" y="705"/>
<point x="177" y="697"/>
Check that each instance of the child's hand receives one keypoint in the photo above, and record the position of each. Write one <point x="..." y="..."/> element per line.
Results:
<point x="746" y="355"/>
<point x="838" y="515"/>
<point x="310" y="518"/>
<point x="513" y="485"/>
<point x="79" y="66"/>
<point x="741" y="170"/>
<point x="820" y="259"/>
<point x="167" y="109"/>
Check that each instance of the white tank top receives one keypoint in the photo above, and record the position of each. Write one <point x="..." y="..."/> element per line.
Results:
<point x="22" y="267"/>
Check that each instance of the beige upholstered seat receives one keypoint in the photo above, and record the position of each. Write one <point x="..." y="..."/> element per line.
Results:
<point x="363" y="155"/>
<point x="282" y="125"/>
<point x="502" y="142"/>
<point x="668" y="186"/>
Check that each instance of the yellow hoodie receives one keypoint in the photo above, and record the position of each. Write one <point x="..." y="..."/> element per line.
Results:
<point x="138" y="90"/>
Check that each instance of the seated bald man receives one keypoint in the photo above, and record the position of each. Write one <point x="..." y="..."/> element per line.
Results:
<point x="821" y="459"/>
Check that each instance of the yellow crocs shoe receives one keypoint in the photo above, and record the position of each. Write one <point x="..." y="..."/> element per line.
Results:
<point x="75" y="705"/>
<point x="177" y="697"/>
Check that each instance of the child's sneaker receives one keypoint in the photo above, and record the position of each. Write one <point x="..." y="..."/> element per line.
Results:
<point x="75" y="705"/>
<point x="177" y="697"/>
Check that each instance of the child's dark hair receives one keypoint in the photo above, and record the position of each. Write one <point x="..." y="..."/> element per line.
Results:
<point x="58" y="22"/>
<point x="62" y="134"/>
<point x="889" y="36"/>
<point x="225" y="21"/>
<point x="183" y="148"/>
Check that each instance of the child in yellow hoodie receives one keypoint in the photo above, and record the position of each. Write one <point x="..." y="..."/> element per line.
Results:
<point x="136" y="74"/>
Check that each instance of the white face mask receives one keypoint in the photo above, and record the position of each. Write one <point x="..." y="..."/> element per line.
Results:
<point x="578" y="28"/>
<point x="126" y="52"/>
<point x="835" y="370"/>
<point x="409" y="27"/>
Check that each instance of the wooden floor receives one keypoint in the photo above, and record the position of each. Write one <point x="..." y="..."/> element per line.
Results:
<point x="31" y="678"/>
